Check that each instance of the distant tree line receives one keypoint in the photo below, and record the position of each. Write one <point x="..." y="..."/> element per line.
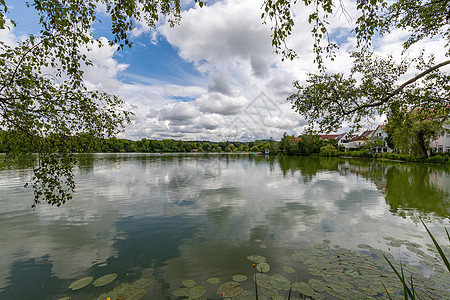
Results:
<point x="86" y="143"/>
<point x="308" y="144"/>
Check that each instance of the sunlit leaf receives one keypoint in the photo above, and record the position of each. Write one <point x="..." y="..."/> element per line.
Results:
<point x="196" y="292"/>
<point x="263" y="267"/>
<point x="288" y="269"/>
<point x="143" y="282"/>
<point x="239" y="278"/>
<point x="104" y="280"/>
<point x="181" y="292"/>
<point x="81" y="283"/>
<point x="213" y="280"/>
<point x="189" y="283"/>
<point x="280" y="282"/>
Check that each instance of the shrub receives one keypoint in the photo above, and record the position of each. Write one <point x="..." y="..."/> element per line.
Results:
<point x="329" y="150"/>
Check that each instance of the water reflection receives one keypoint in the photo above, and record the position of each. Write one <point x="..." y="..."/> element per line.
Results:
<point x="197" y="216"/>
<point x="413" y="190"/>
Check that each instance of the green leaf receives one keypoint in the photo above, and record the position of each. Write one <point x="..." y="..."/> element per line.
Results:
<point x="438" y="247"/>
<point x="280" y="282"/>
<point x="189" y="283"/>
<point x="213" y="280"/>
<point x="263" y="267"/>
<point x="104" y="280"/>
<point x="196" y="292"/>
<point x="239" y="278"/>
<point x="303" y="288"/>
<point x="181" y="292"/>
<point x="80" y="283"/>
<point x="288" y="269"/>
<point x="229" y="289"/>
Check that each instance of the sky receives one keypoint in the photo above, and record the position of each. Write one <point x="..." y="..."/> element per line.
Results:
<point x="214" y="76"/>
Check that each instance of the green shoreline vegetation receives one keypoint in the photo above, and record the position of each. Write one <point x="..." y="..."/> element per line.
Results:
<point x="309" y="145"/>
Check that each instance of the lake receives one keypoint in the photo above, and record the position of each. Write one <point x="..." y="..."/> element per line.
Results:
<point x="175" y="217"/>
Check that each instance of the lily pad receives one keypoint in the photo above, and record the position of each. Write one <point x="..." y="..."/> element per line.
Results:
<point x="288" y="269"/>
<point x="258" y="241"/>
<point x="245" y="295"/>
<point x="256" y="258"/>
<point x="317" y="284"/>
<point x="263" y="280"/>
<point x="297" y="256"/>
<point x="104" y="280"/>
<point x="134" y="294"/>
<point x="181" y="292"/>
<point x="263" y="246"/>
<point x="121" y="286"/>
<point x="189" y="283"/>
<point x="229" y="289"/>
<point x="80" y="283"/>
<point x="103" y="296"/>
<point x="239" y="278"/>
<point x="64" y="298"/>
<point x="213" y="280"/>
<point x="263" y="267"/>
<point x="280" y="282"/>
<point x="143" y="282"/>
<point x="196" y="292"/>
<point x="303" y="288"/>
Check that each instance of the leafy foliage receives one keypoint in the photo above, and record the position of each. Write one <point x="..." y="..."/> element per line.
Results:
<point x="374" y="83"/>
<point x="44" y="101"/>
<point x="424" y="19"/>
<point x="327" y="100"/>
<point x="413" y="130"/>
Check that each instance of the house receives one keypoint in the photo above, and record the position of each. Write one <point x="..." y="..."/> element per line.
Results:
<point x="295" y="140"/>
<point x="360" y="140"/>
<point x="442" y="144"/>
<point x="379" y="136"/>
<point x="328" y="137"/>
<point x="342" y="139"/>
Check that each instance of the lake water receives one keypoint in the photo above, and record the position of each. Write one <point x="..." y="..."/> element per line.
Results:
<point x="177" y="217"/>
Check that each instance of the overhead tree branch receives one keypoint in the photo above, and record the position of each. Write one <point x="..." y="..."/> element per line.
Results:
<point x="399" y="89"/>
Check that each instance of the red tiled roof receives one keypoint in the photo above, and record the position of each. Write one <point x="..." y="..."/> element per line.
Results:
<point x="364" y="136"/>
<point x="328" y="137"/>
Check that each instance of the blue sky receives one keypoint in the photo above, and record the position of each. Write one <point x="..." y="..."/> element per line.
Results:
<point x="214" y="76"/>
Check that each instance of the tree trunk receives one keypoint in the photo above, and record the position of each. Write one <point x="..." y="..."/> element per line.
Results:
<point x="421" y="142"/>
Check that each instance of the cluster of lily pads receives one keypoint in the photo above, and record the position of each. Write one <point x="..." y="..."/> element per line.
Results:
<point x="125" y="291"/>
<point x="334" y="272"/>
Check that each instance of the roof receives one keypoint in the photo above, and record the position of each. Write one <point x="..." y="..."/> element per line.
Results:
<point x="364" y="136"/>
<point x="297" y="139"/>
<point x="328" y="137"/>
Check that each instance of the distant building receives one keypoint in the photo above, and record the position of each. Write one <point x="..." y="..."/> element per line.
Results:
<point x="442" y="144"/>
<point x="361" y="139"/>
<point x="380" y="135"/>
<point x="295" y="140"/>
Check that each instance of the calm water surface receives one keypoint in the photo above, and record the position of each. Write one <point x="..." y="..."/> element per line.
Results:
<point x="180" y="217"/>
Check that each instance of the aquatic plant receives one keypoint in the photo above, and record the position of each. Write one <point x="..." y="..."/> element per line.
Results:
<point x="408" y="285"/>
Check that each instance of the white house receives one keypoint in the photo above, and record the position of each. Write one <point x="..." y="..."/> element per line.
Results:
<point x="442" y="144"/>
<point x="344" y="140"/>
<point x="379" y="134"/>
<point x="360" y="140"/>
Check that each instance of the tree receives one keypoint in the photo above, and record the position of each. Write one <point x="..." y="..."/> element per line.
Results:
<point x="374" y="84"/>
<point x="414" y="129"/>
<point x="44" y="101"/>
<point x="330" y="99"/>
